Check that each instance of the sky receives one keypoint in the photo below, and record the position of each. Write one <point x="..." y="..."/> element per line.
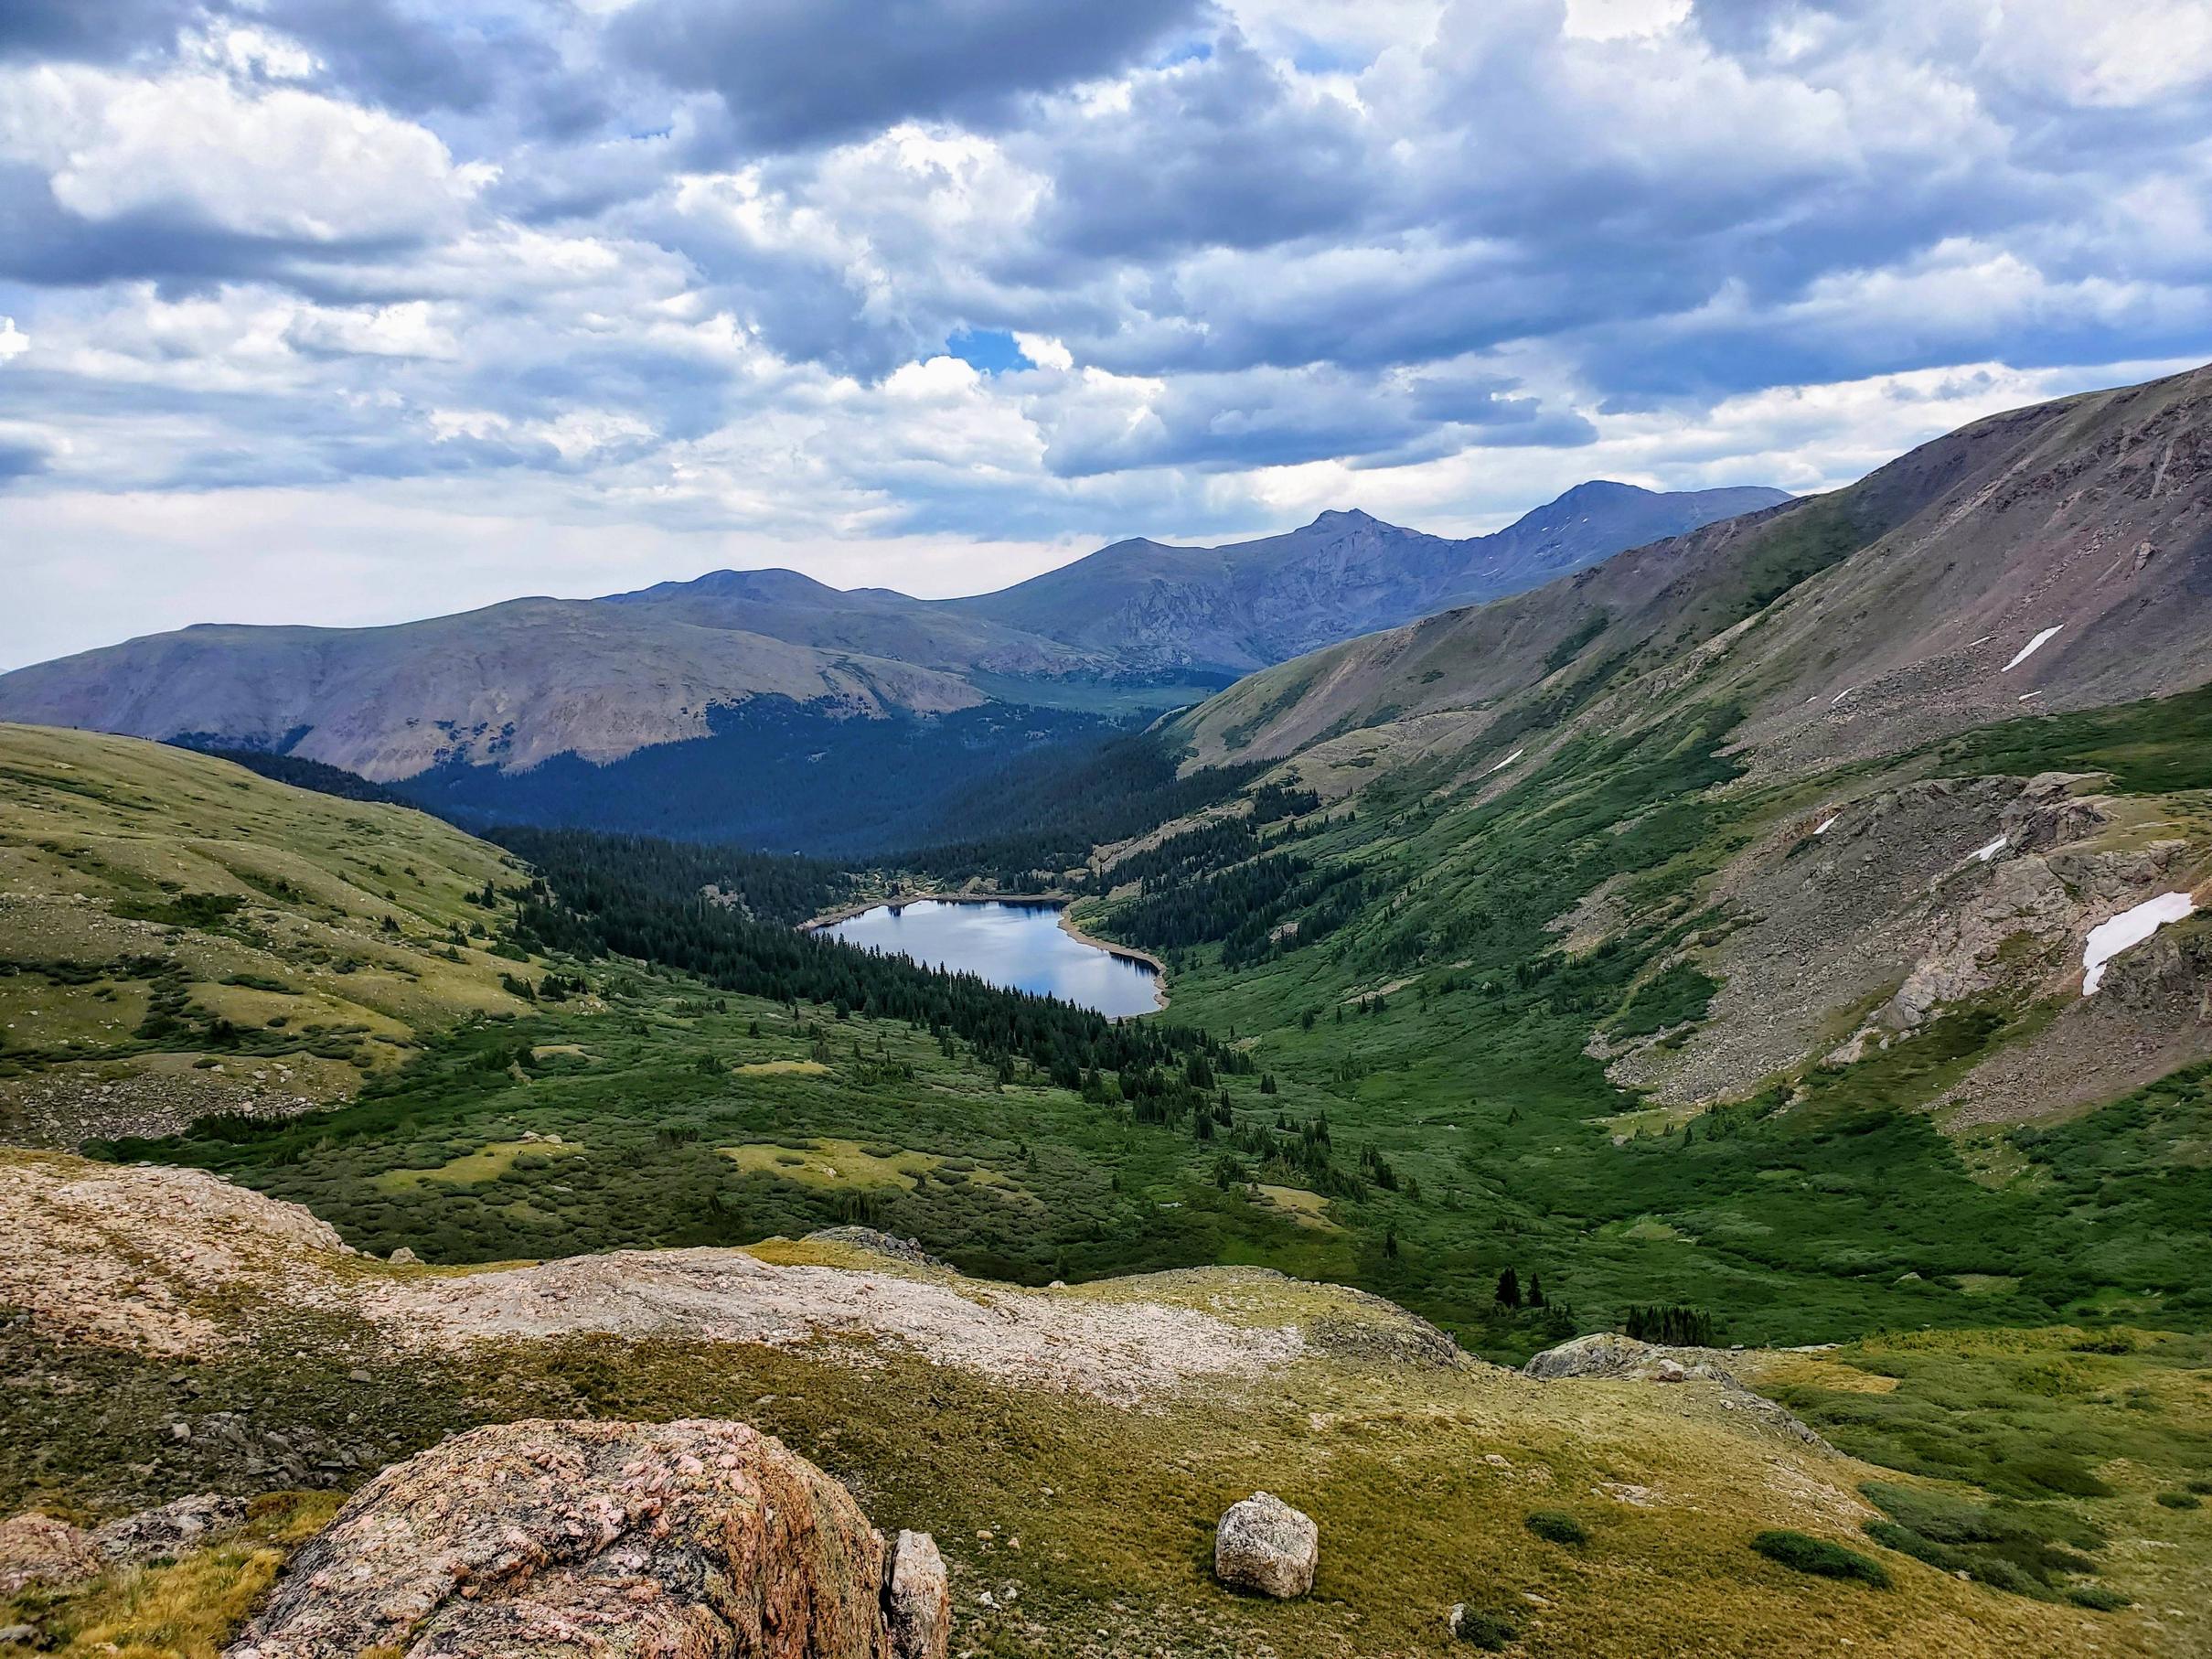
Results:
<point x="352" y="311"/>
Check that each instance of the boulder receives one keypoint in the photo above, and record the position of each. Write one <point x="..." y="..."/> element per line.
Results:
<point x="532" y="1540"/>
<point x="170" y="1530"/>
<point x="917" y="1600"/>
<point x="1264" y="1545"/>
<point x="39" y="1549"/>
<point x="403" y="1257"/>
<point x="1601" y="1354"/>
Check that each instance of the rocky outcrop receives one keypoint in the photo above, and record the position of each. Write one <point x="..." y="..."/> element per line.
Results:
<point x="694" y="1540"/>
<point x="39" y="1549"/>
<point x="185" y="1524"/>
<point x="1608" y="1355"/>
<point x="134" y="1257"/>
<point x="876" y="1242"/>
<point x="1873" y="916"/>
<point x="1264" y="1545"/>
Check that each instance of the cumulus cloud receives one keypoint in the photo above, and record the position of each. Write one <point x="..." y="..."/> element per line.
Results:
<point x="798" y="72"/>
<point x="197" y="149"/>
<point x="709" y="273"/>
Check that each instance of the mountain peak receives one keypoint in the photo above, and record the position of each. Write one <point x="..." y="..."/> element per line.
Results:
<point x="1597" y="489"/>
<point x="1342" y="517"/>
<point x="759" y="585"/>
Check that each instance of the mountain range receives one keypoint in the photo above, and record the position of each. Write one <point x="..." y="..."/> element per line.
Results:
<point x="1138" y="625"/>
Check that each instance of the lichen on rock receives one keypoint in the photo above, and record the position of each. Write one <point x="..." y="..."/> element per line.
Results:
<point x="1265" y="1545"/>
<point x="685" y="1540"/>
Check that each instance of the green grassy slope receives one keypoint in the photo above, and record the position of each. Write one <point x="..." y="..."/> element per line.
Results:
<point x="182" y="937"/>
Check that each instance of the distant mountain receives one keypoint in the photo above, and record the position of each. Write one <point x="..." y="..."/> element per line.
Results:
<point x="752" y="681"/>
<point x="871" y="621"/>
<point x="508" y="686"/>
<point x="1228" y="610"/>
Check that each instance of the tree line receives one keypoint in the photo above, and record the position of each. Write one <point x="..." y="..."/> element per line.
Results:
<point x="597" y="895"/>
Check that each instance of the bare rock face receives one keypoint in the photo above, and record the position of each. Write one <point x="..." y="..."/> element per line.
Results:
<point x="39" y="1549"/>
<point x="686" y="1540"/>
<point x="1264" y="1545"/>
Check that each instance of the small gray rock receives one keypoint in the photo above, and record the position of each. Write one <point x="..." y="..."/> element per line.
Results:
<point x="403" y="1257"/>
<point x="1264" y="1545"/>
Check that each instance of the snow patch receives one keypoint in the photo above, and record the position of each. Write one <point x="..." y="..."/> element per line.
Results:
<point x="2026" y="696"/>
<point x="2126" y="930"/>
<point x="1994" y="848"/>
<point x="1825" y="828"/>
<point x="1983" y="640"/>
<point x="2031" y="648"/>
<point x="1509" y="760"/>
<point x="1839" y="696"/>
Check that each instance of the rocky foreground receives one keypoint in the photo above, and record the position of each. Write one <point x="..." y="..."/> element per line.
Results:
<point x="833" y="1447"/>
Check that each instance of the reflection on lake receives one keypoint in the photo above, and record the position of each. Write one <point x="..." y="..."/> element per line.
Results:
<point x="1021" y="947"/>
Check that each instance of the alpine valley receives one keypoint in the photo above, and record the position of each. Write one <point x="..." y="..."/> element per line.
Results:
<point x="1681" y="1123"/>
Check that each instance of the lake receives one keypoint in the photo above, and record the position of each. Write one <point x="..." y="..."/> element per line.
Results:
<point x="1021" y="947"/>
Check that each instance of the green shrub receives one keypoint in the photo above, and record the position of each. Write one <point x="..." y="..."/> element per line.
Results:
<point x="2096" y="1598"/>
<point x="2180" y="1500"/>
<point x="1999" y="1573"/>
<point x="1933" y="1515"/>
<point x="1556" y="1526"/>
<point x="1906" y="1542"/>
<point x="2053" y="1472"/>
<point x="1670" y="1327"/>
<point x="1807" y="1554"/>
<point x="1489" y="1632"/>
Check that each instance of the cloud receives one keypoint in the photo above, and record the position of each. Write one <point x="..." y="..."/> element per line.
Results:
<point x="842" y="276"/>
<point x="197" y="150"/>
<point x="1226" y="150"/>
<point x="74" y="30"/>
<point x="801" y="71"/>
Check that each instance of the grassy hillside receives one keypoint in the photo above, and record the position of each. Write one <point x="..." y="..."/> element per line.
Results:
<point x="182" y="937"/>
<point x="1585" y="1516"/>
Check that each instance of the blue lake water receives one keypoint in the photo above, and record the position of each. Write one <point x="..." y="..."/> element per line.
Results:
<point x="1021" y="947"/>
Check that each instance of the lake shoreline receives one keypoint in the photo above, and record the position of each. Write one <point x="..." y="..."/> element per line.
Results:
<point x="1048" y="901"/>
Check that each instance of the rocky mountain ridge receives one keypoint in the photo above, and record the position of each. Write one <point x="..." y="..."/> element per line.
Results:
<point x="2061" y="553"/>
<point x="515" y="684"/>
